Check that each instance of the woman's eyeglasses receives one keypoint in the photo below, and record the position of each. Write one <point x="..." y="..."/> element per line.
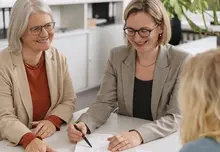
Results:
<point x="36" y="30"/>
<point x="143" y="32"/>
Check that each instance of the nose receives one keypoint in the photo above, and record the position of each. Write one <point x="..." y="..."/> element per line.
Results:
<point x="137" y="37"/>
<point x="43" y="33"/>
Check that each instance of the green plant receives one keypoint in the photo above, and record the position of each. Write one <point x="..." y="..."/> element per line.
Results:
<point x="180" y="7"/>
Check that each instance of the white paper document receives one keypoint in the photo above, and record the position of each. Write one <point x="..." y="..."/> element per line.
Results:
<point x="99" y="143"/>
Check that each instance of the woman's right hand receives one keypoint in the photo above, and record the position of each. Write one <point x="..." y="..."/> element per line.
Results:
<point x="75" y="135"/>
<point x="38" y="145"/>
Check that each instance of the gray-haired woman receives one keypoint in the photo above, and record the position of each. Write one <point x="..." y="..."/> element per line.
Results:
<point x="35" y="86"/>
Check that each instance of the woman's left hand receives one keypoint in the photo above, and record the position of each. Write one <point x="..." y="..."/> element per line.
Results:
<point x="125" y="141"/>
<point x="44" y="128"/>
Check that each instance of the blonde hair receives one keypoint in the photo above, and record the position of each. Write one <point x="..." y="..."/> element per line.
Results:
<point x="156" y="10"/>
<point x="21" y="12"/>
<point x="199" y="97"/>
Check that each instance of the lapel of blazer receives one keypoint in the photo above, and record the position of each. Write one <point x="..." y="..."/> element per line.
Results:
<point x="52" y="77"/>
<point x="24" y="90"/>
<point x="160" y="76"/>
<point x="128" y="74"/>
<point x="22" y="81"/>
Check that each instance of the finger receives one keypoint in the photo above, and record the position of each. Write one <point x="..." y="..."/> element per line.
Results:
<point x="127" y="146"/>
<point x="84" y="130"/>
<point x="74" y="138"/>
<point x="44" y="135"/>
<point x="50" y="149"/>
<point x="110" y="138"/>
<point x="50" y="133"/>
<point x="39" y="126"/>
<point x="74" y="131"/>
<point x="77" y="134"/>
<point x="112" y="142"/>
<point x="120" y="145"/>
<point x="71" y="128"/>
<point x="43" y="149"/>
<point x="42" y="131"/>
<point x="115" y="141"/>
<point x="35" y="123"/>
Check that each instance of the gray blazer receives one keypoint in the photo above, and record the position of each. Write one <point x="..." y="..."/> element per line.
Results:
<point x="117" y="91"/>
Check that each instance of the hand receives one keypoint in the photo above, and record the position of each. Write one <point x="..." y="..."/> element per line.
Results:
<point x="124" y="141"/>
<point x="44" y="128"/>
<point x="75" y="135"/>
<point x="37" y="145"/>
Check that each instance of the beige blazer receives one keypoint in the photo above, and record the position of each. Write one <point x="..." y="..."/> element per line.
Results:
<point x="15" y="99"/>
<point x="117" y="91"/>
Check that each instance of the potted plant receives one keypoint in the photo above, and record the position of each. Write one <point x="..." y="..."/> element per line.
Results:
<point x="180" y="7"/>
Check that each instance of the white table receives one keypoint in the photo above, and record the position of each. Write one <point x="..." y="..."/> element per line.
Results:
<point x="114" y="125"/>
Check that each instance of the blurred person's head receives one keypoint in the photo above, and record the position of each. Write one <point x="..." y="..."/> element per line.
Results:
<point x="199" y="97"/>
<point x="152" y="21"/>
<point x="31" y="26"/>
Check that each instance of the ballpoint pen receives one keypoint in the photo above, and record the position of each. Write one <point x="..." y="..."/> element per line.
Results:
<point x="83" y="136"/>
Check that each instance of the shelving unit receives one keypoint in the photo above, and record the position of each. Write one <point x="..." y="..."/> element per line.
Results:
<point x="86" y="48"/>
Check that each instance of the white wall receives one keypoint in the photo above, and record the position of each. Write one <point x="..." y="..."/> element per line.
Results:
<point x="197" y="18"/>
<point x="126" y="2"/>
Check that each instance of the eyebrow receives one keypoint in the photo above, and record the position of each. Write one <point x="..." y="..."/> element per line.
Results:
<point x="148" y="28"/>
<point x="41" y="25"/>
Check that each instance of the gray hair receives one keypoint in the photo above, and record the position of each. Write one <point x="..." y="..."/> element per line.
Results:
<point x="21" y="12"/>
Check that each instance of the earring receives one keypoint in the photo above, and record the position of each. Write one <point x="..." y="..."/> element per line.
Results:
<point x="160" y="35"/>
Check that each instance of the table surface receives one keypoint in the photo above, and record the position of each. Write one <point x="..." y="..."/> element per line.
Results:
<point x="117" y="123"/>
<point x="114" y="125"/>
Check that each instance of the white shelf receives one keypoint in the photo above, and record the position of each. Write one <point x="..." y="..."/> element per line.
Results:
<point x="86" y="49"/>
<point x="10" y="3"/>
<point x="64" y="2"/>
<point x="70" y="33"/>
<point x="6" y="3"/>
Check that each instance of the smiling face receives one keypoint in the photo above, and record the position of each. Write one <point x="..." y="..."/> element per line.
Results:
<point x="145" y="23"/>
<point x="38" y="42"/>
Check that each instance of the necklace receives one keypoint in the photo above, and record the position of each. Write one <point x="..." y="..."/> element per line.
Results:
<point x="146" y="65"/>
<point x="31" y="67"/>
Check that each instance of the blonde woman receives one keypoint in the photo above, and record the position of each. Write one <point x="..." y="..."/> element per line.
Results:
<point x="141" y="79"/>
<point x="199" y="97"/>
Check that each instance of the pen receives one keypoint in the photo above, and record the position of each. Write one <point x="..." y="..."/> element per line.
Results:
<point x="83" y="136"/>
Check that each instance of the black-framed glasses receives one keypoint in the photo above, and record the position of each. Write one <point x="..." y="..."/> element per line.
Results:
<point x="36" y="30"/>
<point x="143" y="32"/>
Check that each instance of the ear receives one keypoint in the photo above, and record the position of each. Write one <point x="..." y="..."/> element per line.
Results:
<point x="160" y="29"/>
